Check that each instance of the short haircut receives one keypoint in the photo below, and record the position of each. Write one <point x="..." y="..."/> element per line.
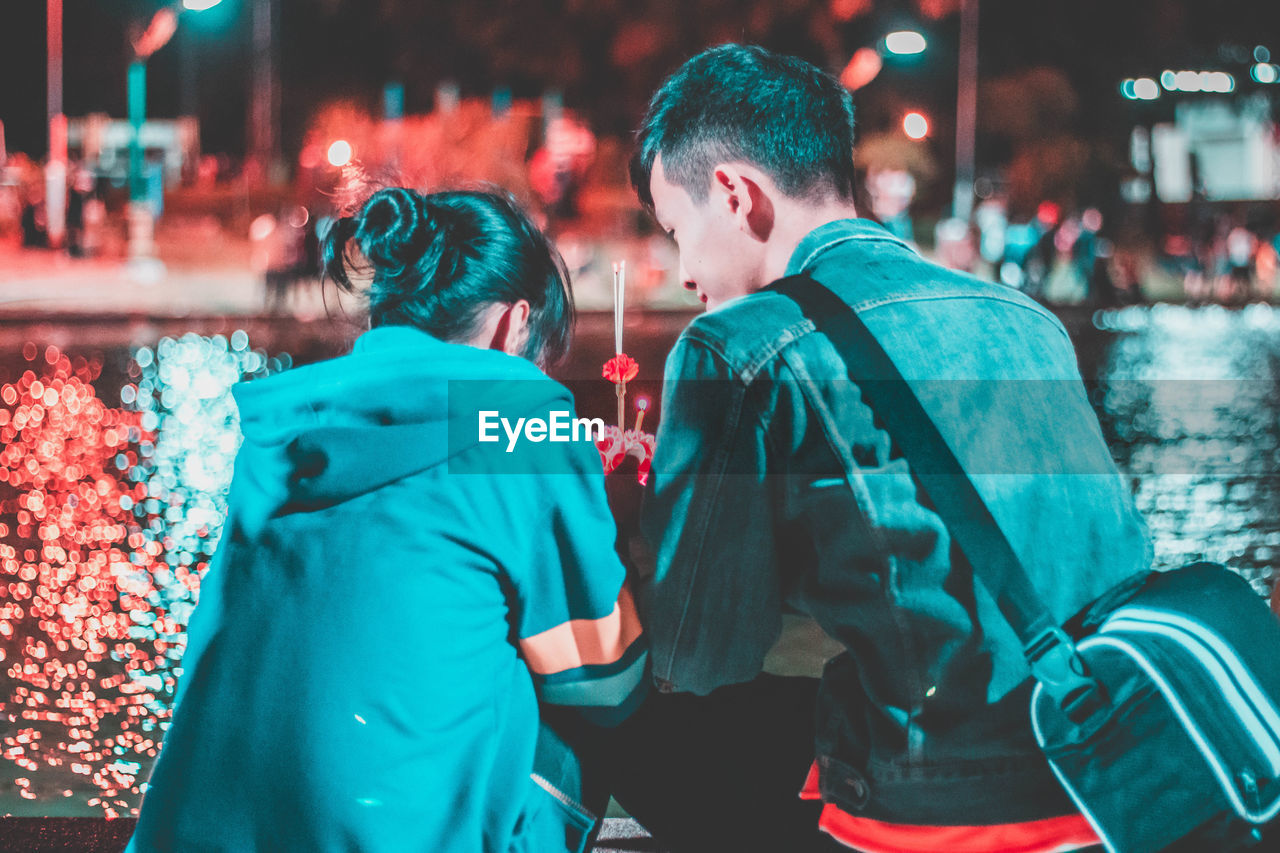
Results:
<point x="745" y="103"/>
<point x="439" y="260"/>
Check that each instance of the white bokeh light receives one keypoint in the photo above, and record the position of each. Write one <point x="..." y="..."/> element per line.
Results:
<point x="339" y="153"/>
<point x="904" y="42"/>
<point x="915" y="125"/>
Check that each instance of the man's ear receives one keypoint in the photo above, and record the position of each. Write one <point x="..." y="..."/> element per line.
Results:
<point x="742" y="196"/>
<point x="729" y="190"/>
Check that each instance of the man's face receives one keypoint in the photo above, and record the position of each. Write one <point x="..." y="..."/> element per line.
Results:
<point x="717" y="259"/>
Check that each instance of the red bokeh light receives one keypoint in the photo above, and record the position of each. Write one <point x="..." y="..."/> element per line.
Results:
<point x="75" y="560"/>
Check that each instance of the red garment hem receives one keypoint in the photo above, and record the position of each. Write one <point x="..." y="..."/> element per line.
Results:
<point x="1068" y="832"/>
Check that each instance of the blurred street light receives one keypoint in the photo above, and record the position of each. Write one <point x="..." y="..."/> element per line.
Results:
<point x="1265" y="72"/>
<point x="1196" y="81"/>
<point x="904" y="43"/>
<point x="339" y="153"/>
<point x="866" y="64"/>
<point x="862" y="69"/>
<point x="915" y="125"/>
<point x="1145" y="89"/>
<point x="156" y="35"/>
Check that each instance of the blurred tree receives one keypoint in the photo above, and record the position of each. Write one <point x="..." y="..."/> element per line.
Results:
<point x="1031" y="113"/>
<point x="935" y="9"/>
<point x="605" y="56"/>
<point x="1048" y="168"/>
<point x="1029" y="104"/>
<point x="892" y="151"/>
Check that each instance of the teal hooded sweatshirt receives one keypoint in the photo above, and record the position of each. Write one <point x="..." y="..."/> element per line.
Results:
<point x="390" y="601"/>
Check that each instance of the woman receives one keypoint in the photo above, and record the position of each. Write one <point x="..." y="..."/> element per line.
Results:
<point x="393" y="597"/>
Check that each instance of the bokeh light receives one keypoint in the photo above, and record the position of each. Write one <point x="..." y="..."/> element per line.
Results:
<point x="905" y="42"/>
<point x="1188" y="400"/>
<point x="915" y="125"/>
<point x="1197" y="81"/>
<point x="339" y="153"/>
<point x="108" y="517"/>
<point x="1146" y="89"/>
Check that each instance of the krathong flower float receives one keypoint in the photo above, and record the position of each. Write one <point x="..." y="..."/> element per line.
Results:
<point x="617" y="443"/>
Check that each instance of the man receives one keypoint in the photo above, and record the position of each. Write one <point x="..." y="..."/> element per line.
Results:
<point x="774" y="487"/>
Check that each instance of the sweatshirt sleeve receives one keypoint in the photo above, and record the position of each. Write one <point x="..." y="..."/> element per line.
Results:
<point x="577" y="627"/>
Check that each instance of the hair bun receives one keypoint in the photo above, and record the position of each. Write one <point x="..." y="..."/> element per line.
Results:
<point x="395" y="225"/>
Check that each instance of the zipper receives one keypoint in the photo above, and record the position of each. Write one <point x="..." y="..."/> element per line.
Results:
<point x="562" y="797"/>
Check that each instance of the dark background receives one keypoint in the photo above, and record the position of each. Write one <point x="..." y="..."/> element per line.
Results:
<point x="607" y="55"/>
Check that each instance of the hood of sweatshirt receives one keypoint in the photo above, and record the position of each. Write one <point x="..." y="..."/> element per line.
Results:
<point x="400" y="403"/>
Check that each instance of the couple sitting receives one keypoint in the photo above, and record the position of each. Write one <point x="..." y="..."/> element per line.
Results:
<point x="403" y="645"/>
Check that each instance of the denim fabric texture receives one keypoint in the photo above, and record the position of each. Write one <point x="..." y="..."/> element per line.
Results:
<point x="774" y="487"/>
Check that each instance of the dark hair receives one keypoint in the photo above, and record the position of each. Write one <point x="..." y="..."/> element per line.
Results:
<point x="746" y="103"/>
<point x="439" y="260"/>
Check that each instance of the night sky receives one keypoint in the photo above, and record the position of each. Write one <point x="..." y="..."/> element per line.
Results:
<point x="605" y="55"/>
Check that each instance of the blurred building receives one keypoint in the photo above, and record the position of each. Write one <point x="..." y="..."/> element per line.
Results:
<point x="1216" y="150"/>
<point x="102" y="144"/>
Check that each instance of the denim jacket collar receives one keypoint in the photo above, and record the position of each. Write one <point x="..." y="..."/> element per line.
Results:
<point x="833" y="233"/>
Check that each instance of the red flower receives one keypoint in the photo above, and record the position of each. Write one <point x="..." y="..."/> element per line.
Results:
<point x="621" y="368"/>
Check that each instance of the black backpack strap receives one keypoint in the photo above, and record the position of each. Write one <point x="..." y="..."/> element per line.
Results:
<point x="1049" y="651"/>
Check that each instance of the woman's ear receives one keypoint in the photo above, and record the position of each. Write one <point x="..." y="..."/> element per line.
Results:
<point x="512" y="327"/>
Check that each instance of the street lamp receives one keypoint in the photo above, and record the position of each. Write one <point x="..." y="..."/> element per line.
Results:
<point x="905" y="43"/>
<point x="157" y="34"/>
<point x="56" y="169"/>
<point x="866" y="64"/>
<point x="966" y="112"/>
<point x="339" y="153"/>
<point x="915" y="125"/>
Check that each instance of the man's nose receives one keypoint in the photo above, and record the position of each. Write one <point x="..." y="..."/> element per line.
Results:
<point x="686" y="279"/>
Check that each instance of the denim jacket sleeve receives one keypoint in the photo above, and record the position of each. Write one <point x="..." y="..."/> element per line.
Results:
<point x="712" y="604"/>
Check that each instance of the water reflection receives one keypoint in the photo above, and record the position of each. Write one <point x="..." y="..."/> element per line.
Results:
<point x="74" y="714"/>
<point x="108" y="518"/>
<point x="109" y="514"/>
<point x="183" y="393"/>
<point x="1191" y="404"/>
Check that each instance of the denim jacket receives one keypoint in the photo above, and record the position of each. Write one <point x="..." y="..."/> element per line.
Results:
<point x="774" y="487"/>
